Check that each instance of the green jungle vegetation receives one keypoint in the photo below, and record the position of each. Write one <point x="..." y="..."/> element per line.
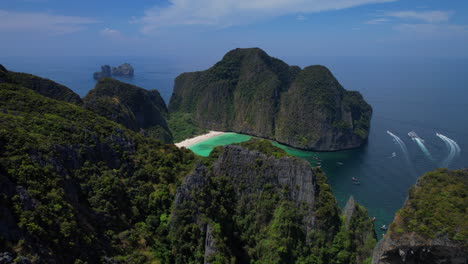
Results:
<point x="77" y="187"/>
<point x="183" y="126"/>
<point x="134" y="107"/>
<point x="43" y="86"/>
<point x="437" y="207"/>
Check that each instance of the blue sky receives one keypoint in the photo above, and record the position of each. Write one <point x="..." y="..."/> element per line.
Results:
<point x="208" y="28"/>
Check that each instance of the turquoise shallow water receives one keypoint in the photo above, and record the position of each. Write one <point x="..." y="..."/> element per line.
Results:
<point x="204" y="148"/>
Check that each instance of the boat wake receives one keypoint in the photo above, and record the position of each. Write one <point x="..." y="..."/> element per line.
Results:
<point x="401" y="144"/>
<point x="453" y="148"/>
<point x="423" y="148"/>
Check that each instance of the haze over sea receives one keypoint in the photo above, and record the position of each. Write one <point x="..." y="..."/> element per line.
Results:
<point x="425" y="95"/>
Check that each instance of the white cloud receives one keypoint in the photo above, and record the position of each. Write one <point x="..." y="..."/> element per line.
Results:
<point x="434" y="29"/>
<point x="223" y="13"/>
<point x="426" y="16"/>
<point x="108" y="32"/>
<point x="377" y="21"/>
<point x="301" y="18"/>
<point x="42" y="22"/>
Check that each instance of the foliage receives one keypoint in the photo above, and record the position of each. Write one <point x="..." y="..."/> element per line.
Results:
<point x="436" y="207"/>
<point x="45" y="87"/>
<point x="132" y="106"/>
<point x="264" y="146"/>
<point x="183" y="126"/>
<point x="79" y="186"/>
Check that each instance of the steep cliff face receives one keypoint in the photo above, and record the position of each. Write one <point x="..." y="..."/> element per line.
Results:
<point x="40" y="85"/>
<point x="432" y="226"/>
<point x="359" y="229"/>
<point x="131" y="106"/>
<point x="262" y="207"/>
<point x="250" y="92"/>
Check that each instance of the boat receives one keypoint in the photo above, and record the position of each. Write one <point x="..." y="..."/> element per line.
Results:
<point x="414" y="136"/>
<point x="354" y="179"/>
<point x="356" y="183"/>
<point x="339" y="163"/>
<point x="384" y="228"/>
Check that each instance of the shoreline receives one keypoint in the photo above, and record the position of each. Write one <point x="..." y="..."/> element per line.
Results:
<point x="192" y="141"/>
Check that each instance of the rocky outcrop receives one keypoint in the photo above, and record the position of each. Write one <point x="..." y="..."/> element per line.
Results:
<point x="431" y="227"/>
<point x="125" y="70"/>
<point x="40" y="85"/>
<point x="349" y="210"/>
<point x="252" y="93"/>
<point x="105" y="72"/>
<point x="360" y="230"/>
<point x="412" y="248"/>
<point x="133" y="107"/>
<point x="295" y="174"/>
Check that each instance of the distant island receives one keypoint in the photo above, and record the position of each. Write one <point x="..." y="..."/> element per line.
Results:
<point x="107" y="71"/>
<point x="251" y="93"/>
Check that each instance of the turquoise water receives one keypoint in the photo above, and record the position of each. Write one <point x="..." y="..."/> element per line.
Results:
<point x="204" y="148"/>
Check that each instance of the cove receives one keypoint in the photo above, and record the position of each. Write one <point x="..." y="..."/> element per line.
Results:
<point x="340" y="167"/>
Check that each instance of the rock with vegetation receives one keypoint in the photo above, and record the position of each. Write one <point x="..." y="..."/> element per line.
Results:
<point x="123" y="70"/>
<point x="359" y="230"/>
<point x="40" y="85"/>
<point x="432" y="226"/>
<point x="134" y="107"/>
<point x="253" y="203"/>
<point x="76" y="187"/>
<point x="105" y="72"/>
<point x="252" y="93"/>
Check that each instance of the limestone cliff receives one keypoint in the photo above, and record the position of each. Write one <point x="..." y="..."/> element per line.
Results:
<point x="252" y="93"/>
<point x="432" y="226"/>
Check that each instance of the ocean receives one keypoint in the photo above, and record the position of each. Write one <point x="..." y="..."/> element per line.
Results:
<point x="426" y="95"/>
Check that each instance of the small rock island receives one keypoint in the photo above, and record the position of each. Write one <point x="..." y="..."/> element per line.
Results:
<point x="125" y="70"/>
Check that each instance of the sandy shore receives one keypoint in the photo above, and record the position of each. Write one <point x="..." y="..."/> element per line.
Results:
<point x="192" y="141"/>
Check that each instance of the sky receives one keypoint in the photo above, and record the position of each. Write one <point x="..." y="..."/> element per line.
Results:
<point x="199" y="29"/>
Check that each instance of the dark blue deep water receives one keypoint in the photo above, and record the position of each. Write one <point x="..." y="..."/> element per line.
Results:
<point x="424" y="95"/>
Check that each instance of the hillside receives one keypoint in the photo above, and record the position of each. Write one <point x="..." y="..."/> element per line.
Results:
<point x="77" y="187"/>
<point x="432" y="226"/>
<point x="252" y="93"/>
<point x="43" y="86"/>
<point x="134" y="107"/>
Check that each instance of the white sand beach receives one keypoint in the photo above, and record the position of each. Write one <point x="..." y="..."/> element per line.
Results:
<point x="192" y="141"/>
